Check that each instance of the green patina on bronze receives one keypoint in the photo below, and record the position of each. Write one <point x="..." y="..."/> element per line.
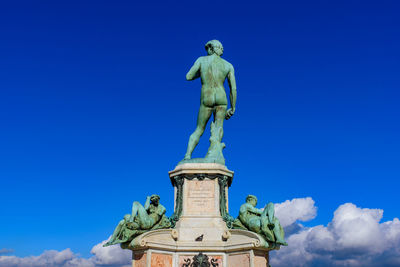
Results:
<point x="177" y="181"/>
<point x="228" y="219"/>
<point x="213" y="71"/>
<point x="143" y="219"/>
<point x="262" y="222"/>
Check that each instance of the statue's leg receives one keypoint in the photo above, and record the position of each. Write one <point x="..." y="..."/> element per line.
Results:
<point x="264" y="219"/>
<point x="202" y="119"/>
<point x="254" y="224"/>
<point x="279" y="234"/>
<point x="219" y="117"/>
<point x="135" y="207"/>
<point x="139" y="212"/>
<point x="264" y="213"/>
<point x="145" y="221"/>
<point x="116" y="233"/>
<point x="264" y="226"/>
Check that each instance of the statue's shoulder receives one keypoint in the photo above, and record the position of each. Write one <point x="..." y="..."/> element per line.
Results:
<point x="200" y="59"/>
<point x="227" y="64"/>
<point x="244" y="207"/>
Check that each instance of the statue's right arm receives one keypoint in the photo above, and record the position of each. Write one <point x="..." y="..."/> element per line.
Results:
<point x="147" y="204"/>
<point x="254" y="210"/>
<point x="194" y="71"/>
<point x="249" y="208"/>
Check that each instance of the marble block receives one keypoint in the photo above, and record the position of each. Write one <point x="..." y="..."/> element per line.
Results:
<point x="239" y="260"/>
<point x="260" y="259"/>
<point x="161" y="260"/>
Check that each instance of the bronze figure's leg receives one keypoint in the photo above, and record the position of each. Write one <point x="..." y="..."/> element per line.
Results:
<point x="116" y="233"/>
<point x="264" y="225"/>
<point x="219" y="116"/>
<point x="115" y="238"/>
<point x="279" y="234"/>
<point x="140" y="212"/>
<point x="202" y="119"/>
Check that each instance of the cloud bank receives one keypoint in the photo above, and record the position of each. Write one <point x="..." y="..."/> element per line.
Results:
<point x="112" y="256"/>
<point x="355" y="237"/>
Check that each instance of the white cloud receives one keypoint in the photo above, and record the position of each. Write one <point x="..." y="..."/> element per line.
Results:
<point x="112" y="256"/>
<point x="354" y="238"/>
<point x="297" y="209"/>
<point x="47" y="258"/>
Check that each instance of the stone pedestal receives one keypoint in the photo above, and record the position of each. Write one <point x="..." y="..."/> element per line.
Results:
<point x="200" y="232"/>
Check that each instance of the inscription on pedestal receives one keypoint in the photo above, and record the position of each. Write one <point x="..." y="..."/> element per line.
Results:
<point x="200" y="197"/>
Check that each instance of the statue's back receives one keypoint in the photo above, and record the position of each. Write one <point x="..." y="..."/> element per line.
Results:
<point x="213" y="71"/>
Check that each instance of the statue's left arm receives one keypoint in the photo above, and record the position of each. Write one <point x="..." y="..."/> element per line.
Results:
<point x="233" y="93"/>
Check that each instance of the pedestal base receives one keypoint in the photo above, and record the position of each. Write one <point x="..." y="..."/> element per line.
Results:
<point x="163" y="248"/>
<point x="155" y="258"/>
<point x="200" y="233"/>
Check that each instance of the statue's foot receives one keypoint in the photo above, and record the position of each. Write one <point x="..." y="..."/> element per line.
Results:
<point x="109" y="243"/>
<point x="280" y="242"/>
<point x="185" y="159"/>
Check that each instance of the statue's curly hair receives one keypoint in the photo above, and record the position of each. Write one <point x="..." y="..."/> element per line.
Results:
<point x="216" y="47"/>
<point x="155" y="196"/>
<point x="251" y="197"/>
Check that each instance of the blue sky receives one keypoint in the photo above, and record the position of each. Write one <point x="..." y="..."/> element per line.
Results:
<point x="95" y="109"/>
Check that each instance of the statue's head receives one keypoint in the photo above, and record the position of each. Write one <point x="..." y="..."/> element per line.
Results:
<point x="252" y="200"/>
<point x="214" y="47"/>
<point x="127" y="217"/>
<point x="154" y="199"/>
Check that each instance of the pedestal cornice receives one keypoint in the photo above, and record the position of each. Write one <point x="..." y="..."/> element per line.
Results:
<point x="201" y="171"/>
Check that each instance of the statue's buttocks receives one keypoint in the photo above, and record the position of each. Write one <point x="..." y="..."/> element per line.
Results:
<point x="212" y="97"/>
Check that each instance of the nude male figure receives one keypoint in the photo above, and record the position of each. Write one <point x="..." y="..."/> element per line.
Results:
<point x="142" y="218"/>
<point x="261" y="221"/>
<point x="212" y="70"/>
